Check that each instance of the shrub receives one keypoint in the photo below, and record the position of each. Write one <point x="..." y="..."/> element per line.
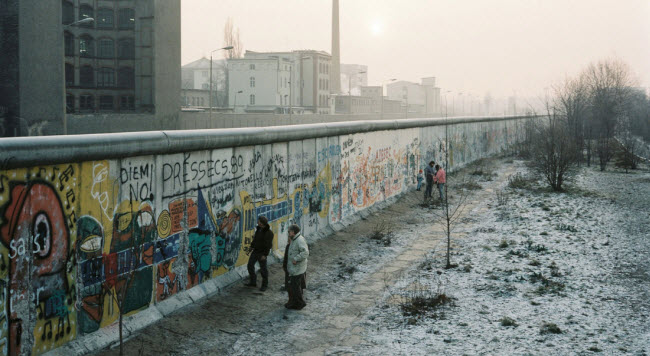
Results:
<point x="550" y="328"/>
<point x="518" y="181"/>
<point x="506" y="321"/>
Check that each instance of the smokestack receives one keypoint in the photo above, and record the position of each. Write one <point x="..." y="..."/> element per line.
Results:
<point x="335" y="73"/>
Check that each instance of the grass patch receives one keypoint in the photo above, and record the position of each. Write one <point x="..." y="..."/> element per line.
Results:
<point x="503" y="244"/>
<point x="423" y="304"/>
<point x="469" y="185"/>
<point x="382" y="233"/>
<point x="506" y="321"/>
<point x="518" y="181"/>
<point x="550" y="328"/>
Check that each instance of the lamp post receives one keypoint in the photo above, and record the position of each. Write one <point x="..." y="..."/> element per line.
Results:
<point x="65" y="96"/>
<point x="382" y="96"/>
<point x="210" y="99"/>
<point x="234" y="108"/>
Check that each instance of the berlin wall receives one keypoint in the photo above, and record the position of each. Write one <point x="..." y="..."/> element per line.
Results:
<point x="92" y="225"/>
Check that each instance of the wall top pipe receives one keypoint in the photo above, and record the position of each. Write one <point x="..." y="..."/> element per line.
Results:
<point x="46" y="150"/>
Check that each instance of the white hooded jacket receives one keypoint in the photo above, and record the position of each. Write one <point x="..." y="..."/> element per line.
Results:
<point x="298" y="252"/>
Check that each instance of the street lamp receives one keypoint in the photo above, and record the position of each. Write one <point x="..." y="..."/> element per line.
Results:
<point x="65" y="96"/>
<point x="234" y="108"/>
<point x="227" y="48"/>
<point x="350" y="89"/>
<point x="382" y="95"/>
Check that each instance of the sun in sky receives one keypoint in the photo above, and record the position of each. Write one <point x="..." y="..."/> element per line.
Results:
<point x="376" y="28"/>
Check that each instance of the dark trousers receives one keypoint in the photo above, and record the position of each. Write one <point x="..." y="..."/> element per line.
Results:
<point x="255" y="257"/>
<point x="296" y="285"/>
<point x="428" y="191"/>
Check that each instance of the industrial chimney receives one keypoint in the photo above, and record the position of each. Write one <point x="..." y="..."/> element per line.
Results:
<point x="335" y="73"/>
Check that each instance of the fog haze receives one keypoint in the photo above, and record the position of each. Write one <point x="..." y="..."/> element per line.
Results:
<point x="503" y="46"/>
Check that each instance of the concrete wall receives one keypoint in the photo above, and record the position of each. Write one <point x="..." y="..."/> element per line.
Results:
<point x="166" y="218"/>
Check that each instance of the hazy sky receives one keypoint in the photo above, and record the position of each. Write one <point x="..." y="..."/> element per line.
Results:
<point x="501" y="46"/>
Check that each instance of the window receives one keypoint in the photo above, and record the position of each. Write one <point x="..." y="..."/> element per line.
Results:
<point x="69" y="43"/>
<point x="127" y="19"/>
<point x="252" y="82"/>
<point x="86" y="76"/>
<point x="69" y="74"/>
<point x="252" y="99"/>
<point x="204" y="73"/>
<point x="104" y="18"/>
<point x="85" y="12"/>
<point x="106" y="102"/>
<point x="202" y="102"/>
<point x="68" y="13"/>
<point x="105" y="48"/>
<point x="205" y="86"/>
<point x="126" y="48"/>
<point x="251" y="67"/>
<point x="69" y="103"/>
<point x="86" y="102"/>
<point x="106" y="78"/>
<point x="86" y="46"/>
<point x="126" y="78"/>
<point x="127" y="103"/>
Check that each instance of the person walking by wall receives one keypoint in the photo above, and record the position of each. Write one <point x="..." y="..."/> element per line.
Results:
<point x="260" y="248"/>
<point x="420" y="178"/>
<point x="440" y="179"/>
<point x="429" y="173"/>
<point x="296" y="266"/>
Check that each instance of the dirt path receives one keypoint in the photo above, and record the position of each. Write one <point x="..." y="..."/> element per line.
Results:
<point x="348" y="272"/>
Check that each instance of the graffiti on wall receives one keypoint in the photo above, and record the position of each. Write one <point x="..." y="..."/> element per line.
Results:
<point x="82" y="243"/>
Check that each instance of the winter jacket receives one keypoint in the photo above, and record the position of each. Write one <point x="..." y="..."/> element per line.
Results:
<point x="441" y="177"/>
<point x="262" y="241"/>
<point x="298" y="251"/>
<point x="429" y="172"/>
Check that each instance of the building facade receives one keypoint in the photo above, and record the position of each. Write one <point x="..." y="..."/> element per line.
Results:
<point x="195" y="83"/>
<point x="124" y="61"/>
<point x="280" y="81"/>
<point x="419" y="98"/>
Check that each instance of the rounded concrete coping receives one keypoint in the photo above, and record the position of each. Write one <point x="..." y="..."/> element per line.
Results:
<point x="46" y="150"/>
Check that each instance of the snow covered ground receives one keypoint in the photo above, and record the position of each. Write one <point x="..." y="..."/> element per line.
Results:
<point x="541" y="274"/>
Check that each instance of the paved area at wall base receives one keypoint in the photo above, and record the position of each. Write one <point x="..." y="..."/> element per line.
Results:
<point x="348" y="273"/>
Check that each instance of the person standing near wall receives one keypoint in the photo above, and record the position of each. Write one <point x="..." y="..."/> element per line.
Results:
<point x="440" y="179"/>
<point x="296" y="266"/>
<point x="260" y="248"/>
<point x="429" y="174"/>
<point x="420" y="178"/>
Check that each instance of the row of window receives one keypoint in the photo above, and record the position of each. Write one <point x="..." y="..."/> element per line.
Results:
<point x="323" y="68"/>
<point x="106" y="102"/>
<point x="192" y="101"/>
<point x="323" y="84"/>
<point x="104" y="18"/>
<point x="102" y="77"/>
<point x="105" y="47"/>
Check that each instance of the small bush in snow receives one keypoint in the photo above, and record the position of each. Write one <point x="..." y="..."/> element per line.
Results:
<point x="518" y="181"/>
<point x="503" y="244"/>
<point x="550" y="328"/>
<point x="502" y="197"/>
<point x="505" y="321"/>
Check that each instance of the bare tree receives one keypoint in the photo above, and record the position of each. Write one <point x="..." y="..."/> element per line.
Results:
<point x="626" y="156"/>
<point x="572" y="103"/>
<point x="609" y="82"/>
<point x="553" y="151"/>
<point x="451" y="213"/>
<point x="231" y="38"/>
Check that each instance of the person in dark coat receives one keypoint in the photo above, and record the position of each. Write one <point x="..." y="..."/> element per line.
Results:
<point x="260" y="248"/>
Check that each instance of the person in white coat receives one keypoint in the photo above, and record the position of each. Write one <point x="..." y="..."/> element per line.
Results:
<point x="296" y="267"/>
